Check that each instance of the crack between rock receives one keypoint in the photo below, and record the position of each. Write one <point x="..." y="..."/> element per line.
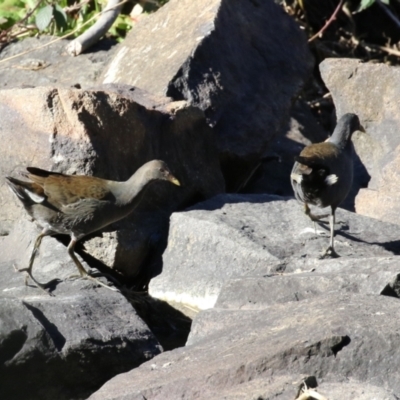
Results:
<point x="55" y="335"/>
<point x="345" y="340"/>
<point x="12" y="344"/>
<point x="50" y="104"/>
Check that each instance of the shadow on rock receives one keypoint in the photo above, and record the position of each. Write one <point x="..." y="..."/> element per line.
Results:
<point x="218" y="202"/>
<point x="170" y="326"/>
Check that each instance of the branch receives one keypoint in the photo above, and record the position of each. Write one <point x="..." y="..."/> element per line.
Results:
<point x="327" y="23"/>
<point x="99" y="29"/>
<point x="52" y="41"/>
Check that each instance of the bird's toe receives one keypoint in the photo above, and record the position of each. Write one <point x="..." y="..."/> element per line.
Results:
<point x="329" y="253"/>
<point x="89" y="277"/>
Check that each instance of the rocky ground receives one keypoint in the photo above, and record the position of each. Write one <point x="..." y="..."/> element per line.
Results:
<point x="222" y="292"/>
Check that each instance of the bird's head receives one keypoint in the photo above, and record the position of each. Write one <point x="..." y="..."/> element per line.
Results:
<point x="158" y="170"/>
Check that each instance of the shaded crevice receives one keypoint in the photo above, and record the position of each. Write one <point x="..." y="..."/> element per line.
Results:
<point x="55" y="335"/>
<point x="389" y="291"/>
<point x="345" y="340"/>
<point x="395" y="287"/>
<point x="12" y="344"/>
<point x="170" y="326"/>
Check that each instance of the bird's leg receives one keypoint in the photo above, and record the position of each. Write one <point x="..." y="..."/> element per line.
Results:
<point x="28" y="270"/>
<point x="82" y="271"/>
<point x="330" y="251"/>
<point x="312" y="216"/>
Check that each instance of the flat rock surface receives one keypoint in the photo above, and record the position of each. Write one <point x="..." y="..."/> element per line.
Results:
<point x="336" y="338"/>
<point x="285" y="387"/>
<point x="49" y="64"/>
<point x="56" y="343"/>
<point x="230" y="236"/>
<point x="371" y="275"/>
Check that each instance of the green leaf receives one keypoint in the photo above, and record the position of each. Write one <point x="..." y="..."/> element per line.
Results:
<point x="7" y="19"/>
<point x="385" y="2"/>
<point x="43" y="17"/>
<point x="365" y="4"/>
<point x="60" y="17"/>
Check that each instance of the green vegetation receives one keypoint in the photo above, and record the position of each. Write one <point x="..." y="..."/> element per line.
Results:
<point x="364" y="4"/>
<point x="21" y="18"/>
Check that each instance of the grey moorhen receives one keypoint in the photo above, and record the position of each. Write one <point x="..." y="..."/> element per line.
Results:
<point x="77" y="205"/>
<point x="323" y="173"/>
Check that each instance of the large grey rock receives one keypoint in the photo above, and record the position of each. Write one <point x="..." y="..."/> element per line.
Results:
<point x="66" y="346"/>
<point x="49" y="64"/>
<point x="371" y="91"/>
<point x="373" y="275"/>
<point x="285" y="388"/>
<point x="338" y="338"/>
<point x="279" y="387"/>
<point x="230" y="236"/>
<point x="241" y="62"/>
<point x="109" y="132"/>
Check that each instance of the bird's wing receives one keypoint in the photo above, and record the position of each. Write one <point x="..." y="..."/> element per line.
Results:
<point x="63" y="190"/>
<point x="316" y="157"/>
<point x="306" y="165"/>
<point x="319" y="153"/>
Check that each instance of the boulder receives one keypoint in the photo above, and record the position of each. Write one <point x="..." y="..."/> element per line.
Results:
<point x="371" y="91"/>
<point x="109" y="132"/>
<point x="241" y="62"/>
<point x="68" y="345"/>
<point x="230" y="236"/>
<point x="284" y="387"/>
<point x="279" y="387"/>
<point x="367" y="275"/>
<point x="347" y="341"/>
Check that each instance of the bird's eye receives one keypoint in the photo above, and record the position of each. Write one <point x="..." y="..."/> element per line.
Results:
<point x="162" y="170"/>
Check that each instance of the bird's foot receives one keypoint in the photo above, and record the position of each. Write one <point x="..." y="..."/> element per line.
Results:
<point x="108" y="276"/>
<point x="329" y="253"/>
<point x="44" y="287"/>
<point x="342" y="223"/>
<point x="93" y="279"/>
<point x="100" y="283"/>
<point x="74" y="277"/>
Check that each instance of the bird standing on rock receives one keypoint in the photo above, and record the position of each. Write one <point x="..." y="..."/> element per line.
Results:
<point x="323" y="173"/>
<point x="77" y="205"/>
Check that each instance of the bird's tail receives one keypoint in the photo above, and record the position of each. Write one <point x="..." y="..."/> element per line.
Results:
<point x="26" y="191"/>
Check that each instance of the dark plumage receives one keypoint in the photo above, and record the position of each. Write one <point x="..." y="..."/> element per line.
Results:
<point x="323" y="173"/>
<point x="78" y="205"/>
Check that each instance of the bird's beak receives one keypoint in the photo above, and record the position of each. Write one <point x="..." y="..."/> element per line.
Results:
<point x="173" y="180"/>
<point x="362" y="129"/>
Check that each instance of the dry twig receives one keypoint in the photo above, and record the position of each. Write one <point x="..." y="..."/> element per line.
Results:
<point x="327" y="23"/>
<point x="99" y="29"/>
